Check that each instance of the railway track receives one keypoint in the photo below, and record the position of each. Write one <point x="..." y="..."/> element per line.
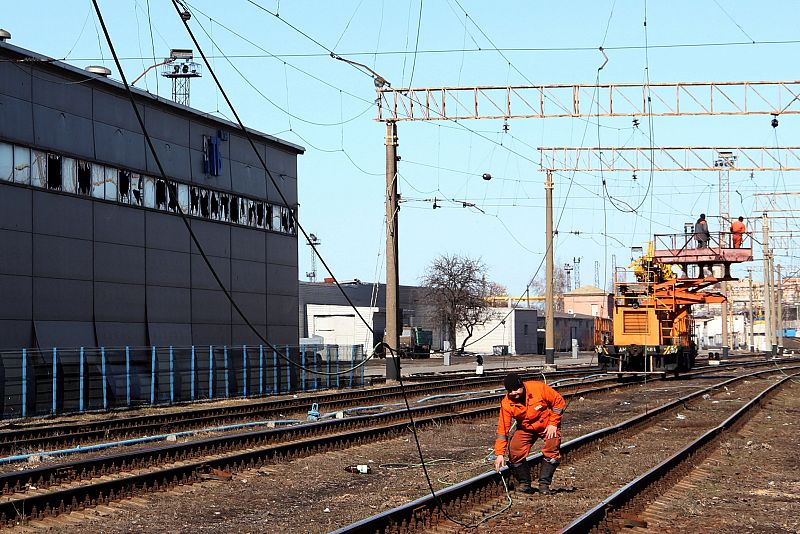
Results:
<point x="620" y="510"/>
<point x="51" y="490"/>
<point x="484" y="496"/>
<point x="32" y="438"/>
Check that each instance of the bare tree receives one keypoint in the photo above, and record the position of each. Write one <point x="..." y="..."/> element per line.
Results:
<point x="457" y="288"/>
<point x="539" y="284"/>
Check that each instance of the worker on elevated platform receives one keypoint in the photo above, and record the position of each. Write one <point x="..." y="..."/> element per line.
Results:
<point x="701" y="233"/>
<point x="537" y="409"/>
<point x="738" y="230"/>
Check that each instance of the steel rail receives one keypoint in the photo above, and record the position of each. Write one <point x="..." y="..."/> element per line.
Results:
<point x="244" y="450"/>
<point x="240" y="451"/>
<point x="594" y="517"/>
<point x="70" y="433"/>
<point x="420" y="511"/>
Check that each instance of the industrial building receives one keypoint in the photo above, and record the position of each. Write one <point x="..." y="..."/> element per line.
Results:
<point x="325" y="312"/>
<point x="95" y="250"/>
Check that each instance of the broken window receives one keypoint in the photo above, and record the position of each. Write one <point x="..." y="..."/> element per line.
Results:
<point x="68" y="176"/>
<point x="223" y="207"/>
<point x="22" y="165"/>
<point x="292" y="220"/>
<point x="214" y="205"/>
<point x="111" y="183"/>
<point x="260" y="215"/>
<point x="149" y="192"/>
<point x="194" y="200"/>
<point x="39" y="169"/>
<point x="84" y="178"/>
<point x="137" y="189"/>
<point x="124" y="185"/>
<point x="161" y="194"/>
<point x="183" y="197"/>
<point x="203" y="203"/>
<point x="242" y="211"/>
<point x="54" y="172"/>
<point x="251" y="212"/>
<point x="268" y="216"/>
<point x="172" y="197"/>
<point x="234" y="210"/>
<point x="98" y="181"/>
<point x="6" y="162"/>
<point x="284" y="220"/>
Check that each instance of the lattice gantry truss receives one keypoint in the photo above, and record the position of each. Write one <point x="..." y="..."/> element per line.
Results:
<point x="695" y="158"/>
<point x="569" y="100"/>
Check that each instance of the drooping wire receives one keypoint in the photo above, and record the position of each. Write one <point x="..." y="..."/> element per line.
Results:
<point x="183" y="215"/>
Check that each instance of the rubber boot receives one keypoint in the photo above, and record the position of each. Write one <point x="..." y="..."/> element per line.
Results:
<point x="546" y="476"/>
<point x="522" y="472"/>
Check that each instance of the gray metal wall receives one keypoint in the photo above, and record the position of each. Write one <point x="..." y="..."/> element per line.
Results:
<point x="81" y="271"/>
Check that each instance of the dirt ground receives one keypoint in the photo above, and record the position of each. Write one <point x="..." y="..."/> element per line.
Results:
<point x="318" y="494"/>
<point x="751" y="482"/>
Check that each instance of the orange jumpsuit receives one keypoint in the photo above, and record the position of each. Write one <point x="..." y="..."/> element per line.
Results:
<point x="541" y="407"/>
<point x="738" y="229"/>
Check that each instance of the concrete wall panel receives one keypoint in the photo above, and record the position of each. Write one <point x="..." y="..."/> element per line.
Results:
<point x="62" y="300"/>
<point x="62" y="257"/>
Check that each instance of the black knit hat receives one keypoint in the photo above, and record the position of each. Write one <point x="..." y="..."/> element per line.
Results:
<point x="512" y="382"/>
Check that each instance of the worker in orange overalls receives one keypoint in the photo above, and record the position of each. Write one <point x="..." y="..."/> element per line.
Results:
<point x="537" y="409"/>
<point x="737" y="230"/>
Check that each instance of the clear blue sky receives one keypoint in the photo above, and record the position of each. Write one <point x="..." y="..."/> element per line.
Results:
<point x="308" y="98"/>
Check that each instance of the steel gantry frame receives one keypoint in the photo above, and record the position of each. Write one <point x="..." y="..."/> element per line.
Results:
<point x="683" y="158"/>
<point x="672" y="159"/>
<point x="552" y="101"/>
<point x="567" y="100"/>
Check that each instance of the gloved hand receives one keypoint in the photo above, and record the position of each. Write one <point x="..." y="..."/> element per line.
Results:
<point x="499" y="462"/>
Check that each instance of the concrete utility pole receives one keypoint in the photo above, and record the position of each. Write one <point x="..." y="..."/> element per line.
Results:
<point x="750" y="310"/>
<point x="779" y="310"/>
<point x="549" y="334"/>
<point x="392" y="336"/>
<point x="773" y="321"/>
<point x="768" y="329"/>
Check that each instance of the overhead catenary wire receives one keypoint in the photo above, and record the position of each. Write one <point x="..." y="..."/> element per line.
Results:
<point x="183" y="215"/>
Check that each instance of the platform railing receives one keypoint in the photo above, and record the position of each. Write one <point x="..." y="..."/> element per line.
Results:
<point x="689" y="241"/>
<point x="36" y="382"/>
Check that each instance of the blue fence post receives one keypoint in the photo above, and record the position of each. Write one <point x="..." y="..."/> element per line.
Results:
<point x="288" y="370"/>
<point x="80" y="377"/>
<point x="363" y="367"/>
<point x="55" y="376"/>
<point x="338" y="376"/>
<point x="103" y="376"/>
<point x="24" y="383"/>
<point x="261" y="369"/>
<point x="211" y="371"/>
<point x="244" y="369"/>
<point x="153" y="376"/>
<point x="317" y="378"/>
<point x="127" y="375"/>
<point x="227" y="376"/>
<point x="192" y="366"/>
<point x="171" y="377"/>
<point x="328" y="365"/>
<point x="275" y="387"/>
<point x="353" y="350"/>
<point x="302" y="368"/>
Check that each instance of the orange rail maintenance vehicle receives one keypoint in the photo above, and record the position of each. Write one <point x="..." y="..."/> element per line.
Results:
<point x="652" y="321"/>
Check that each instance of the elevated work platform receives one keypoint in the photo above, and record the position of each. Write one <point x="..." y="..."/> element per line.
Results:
<point x="684" y="249"/>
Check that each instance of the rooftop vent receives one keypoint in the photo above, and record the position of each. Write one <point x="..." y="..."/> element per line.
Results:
<point x="99" y="70"/>
<point x="4" y="35"/>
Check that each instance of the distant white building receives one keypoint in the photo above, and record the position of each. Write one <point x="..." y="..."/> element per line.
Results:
<point x="512" y="328"/>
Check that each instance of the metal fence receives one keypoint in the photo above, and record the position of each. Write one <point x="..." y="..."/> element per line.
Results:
<point x="57" y="381"/>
